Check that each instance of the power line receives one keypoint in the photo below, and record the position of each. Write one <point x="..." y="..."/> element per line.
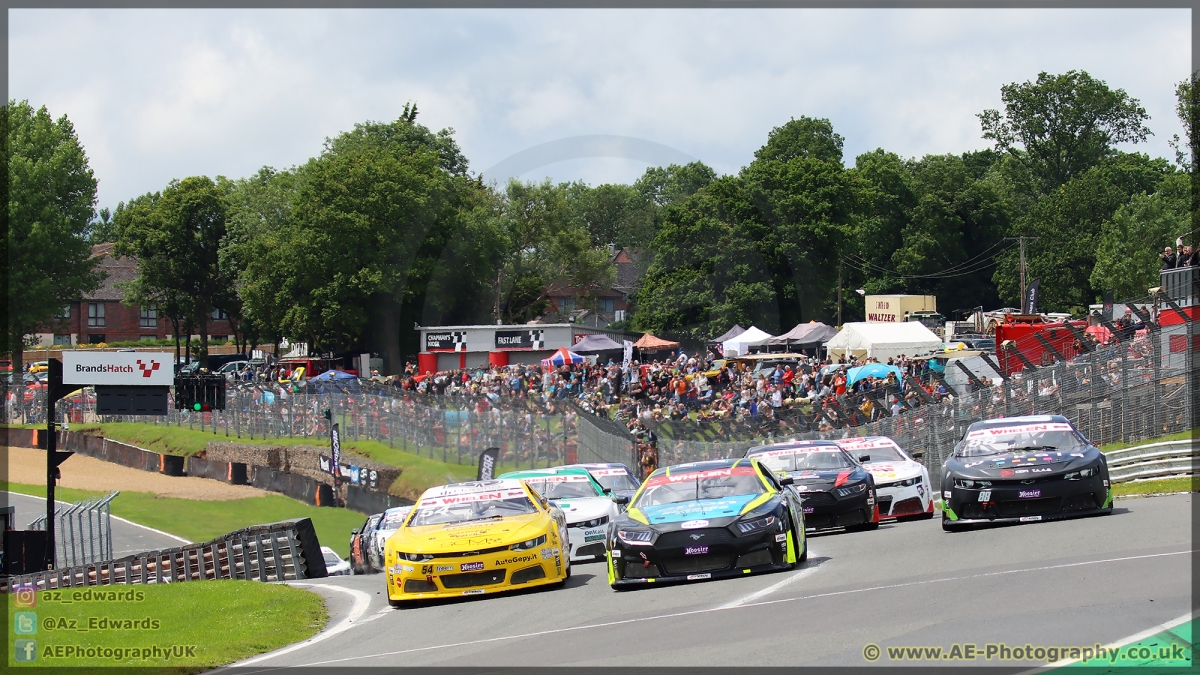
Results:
<point x="970" y="266"/>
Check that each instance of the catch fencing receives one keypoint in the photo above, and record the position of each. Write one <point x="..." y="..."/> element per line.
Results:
<point x="83" y="529"/>
<point x="452" y="429"/>
<point x="1123" y="393"/>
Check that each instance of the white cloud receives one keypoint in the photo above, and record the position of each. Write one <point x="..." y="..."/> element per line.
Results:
<point x="162" y="94"/>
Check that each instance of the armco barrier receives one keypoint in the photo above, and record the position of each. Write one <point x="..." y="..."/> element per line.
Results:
<point x="282" y="551"/>
<point x="1156" y="460"/>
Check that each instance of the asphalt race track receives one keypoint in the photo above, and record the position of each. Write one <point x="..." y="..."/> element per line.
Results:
<point x="127" y="537"/>
<point x="1077" y="582"/>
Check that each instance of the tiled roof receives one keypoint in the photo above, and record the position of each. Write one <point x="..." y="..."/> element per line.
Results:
<point x="113" y="270"/>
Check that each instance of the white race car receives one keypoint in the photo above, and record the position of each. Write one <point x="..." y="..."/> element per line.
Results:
<point x="388" y="524"/>
<point x="902" y="484"/>
<point x="589" y="511"/>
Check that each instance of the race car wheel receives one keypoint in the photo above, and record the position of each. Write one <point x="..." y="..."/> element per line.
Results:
<point x="949" y="526"/>
<point x="803" y="554"/>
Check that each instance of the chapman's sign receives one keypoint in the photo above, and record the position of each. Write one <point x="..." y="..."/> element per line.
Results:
<point x="124" y="368"/>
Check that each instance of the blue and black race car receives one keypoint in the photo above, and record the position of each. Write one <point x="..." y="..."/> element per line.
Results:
<point x="707" y="520"/>
<point x="834" y="487"/>
<point x="1023" y="469"/>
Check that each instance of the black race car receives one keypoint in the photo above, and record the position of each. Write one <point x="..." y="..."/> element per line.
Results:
<point x="707" y="520"/>
<point x="1023" y="469"/>
<point x="360" y="561"/>
<point x="835" y="488"/>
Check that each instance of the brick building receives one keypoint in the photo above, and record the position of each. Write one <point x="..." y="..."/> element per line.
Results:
<point x="103" y="316"/>
<point x="605" y="305"/>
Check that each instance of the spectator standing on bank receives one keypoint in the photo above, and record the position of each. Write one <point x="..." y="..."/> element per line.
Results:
<point x="1168" y="258"/>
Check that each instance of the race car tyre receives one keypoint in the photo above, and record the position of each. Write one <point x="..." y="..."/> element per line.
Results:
<point x="949" y="526"/>
<point x="803" y="554"/>
<point x="395" y="603"/>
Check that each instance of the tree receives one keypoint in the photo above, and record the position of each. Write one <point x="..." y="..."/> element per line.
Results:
<point x="542" y="248"/>
<point x="102" y="230"/>
<point x="802" y="206"/>
<point x="887" y="199"/>
<point x="1063" y="124"/>
<point x="176" y="238"/>
<point x="707" y="272"/>
<point x="51" y="199"/>
<point x="1127" y="255"/>
<point x="1068" y="222"/>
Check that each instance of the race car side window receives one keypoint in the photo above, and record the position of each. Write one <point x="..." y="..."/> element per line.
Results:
<point x="770" y="477"/>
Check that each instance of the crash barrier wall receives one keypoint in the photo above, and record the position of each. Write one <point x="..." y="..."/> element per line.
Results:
<point x="1156" y="460"/>
<point x="1125" y="393"/>
<point x="283" y="551"/>
<point x="367" y="501"/>
<point x="529" y="432"/>
<point x="83" y="529"/>
<point x="304" y="460"/>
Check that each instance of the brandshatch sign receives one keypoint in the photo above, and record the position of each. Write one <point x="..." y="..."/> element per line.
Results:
<point x="120" y="368"/>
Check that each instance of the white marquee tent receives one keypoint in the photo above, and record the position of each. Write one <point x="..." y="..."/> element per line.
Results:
<point x="883" y="340"/>
<point x="738" y="345"/>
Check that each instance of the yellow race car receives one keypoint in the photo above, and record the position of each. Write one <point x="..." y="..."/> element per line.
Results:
<point x="476" y="538"/>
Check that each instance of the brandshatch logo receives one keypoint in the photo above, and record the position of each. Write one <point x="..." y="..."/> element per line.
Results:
<point x="146" y="369"/>
<point x="106" y="368"/>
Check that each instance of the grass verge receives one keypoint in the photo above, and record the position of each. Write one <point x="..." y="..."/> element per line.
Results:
<point x="418" y="473"/>
<point x="1181" y="436"/>
<point x="195" y="626"/>
<point x="204" y="520"/>
<point x="1151" y="487"/>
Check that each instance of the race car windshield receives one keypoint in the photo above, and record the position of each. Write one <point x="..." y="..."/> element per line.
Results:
<point x="882" y="454"/>
<point x="393" y="521"/>
<point x="806" y="460"/>
<point x="618" y="481"/>
<point x="698" y="489"/>
<point x="441" y="514"/>
<point x="562" y="489"/>
<point x="1004" y="440"/>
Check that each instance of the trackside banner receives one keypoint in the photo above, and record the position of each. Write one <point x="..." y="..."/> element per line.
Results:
<point x="119" y="368"/>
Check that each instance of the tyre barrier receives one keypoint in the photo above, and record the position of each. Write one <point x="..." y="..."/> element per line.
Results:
<point x="283" y="551"/>
<point x="1155" y="460"/>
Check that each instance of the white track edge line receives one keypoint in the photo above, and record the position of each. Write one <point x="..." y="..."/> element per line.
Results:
<point x="757" y="604"/>
<point x="806" y="572"/>
<point x="123" y="520"/>
<point x="361" y="602"/>
<point x="1149" y="632"/>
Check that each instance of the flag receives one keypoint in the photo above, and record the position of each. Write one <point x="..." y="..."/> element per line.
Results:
<point x="1031" y="298"/>
<point x="628" y="355"/>
<point x="487" y="464"/>
<point x="335" y="444"/>
<point x="1108" y="306"/>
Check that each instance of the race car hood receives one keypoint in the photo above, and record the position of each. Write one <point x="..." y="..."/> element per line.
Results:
<point x="581" y="509"/>
<point x="822" y="480"/>
<point x="461" y="537"/>
<point x="890" y="472"/>
<point x="1018" y="464"/>
<point x="702" y="509"/>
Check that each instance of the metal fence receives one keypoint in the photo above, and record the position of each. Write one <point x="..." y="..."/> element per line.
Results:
<point x="448" y="428"/>
<point x="1124" y="393"/>
<point x="84" y="531"/>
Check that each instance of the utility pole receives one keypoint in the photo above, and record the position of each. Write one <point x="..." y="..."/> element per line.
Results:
<point x="1021" y="241"/>
<point x="839" y="323"/>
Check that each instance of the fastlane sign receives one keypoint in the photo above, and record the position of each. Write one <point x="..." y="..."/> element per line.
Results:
<point x="520" y="339"/>
<point x="122" y="368"/>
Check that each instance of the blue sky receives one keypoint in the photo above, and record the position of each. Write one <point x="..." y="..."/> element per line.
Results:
<point x="162" y="94"/>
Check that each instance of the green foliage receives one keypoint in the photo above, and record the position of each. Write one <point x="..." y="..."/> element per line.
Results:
<point x="176" y="237"/>
<point x="1068" y="222"/>
<point x="1127" y="255"/>
<point x="542" y="244"/>
<point x="51" y="199"/>
<point x="1064" y="124"/>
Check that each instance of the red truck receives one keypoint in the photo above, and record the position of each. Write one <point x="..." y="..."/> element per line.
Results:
<point x="1036" y="338"/>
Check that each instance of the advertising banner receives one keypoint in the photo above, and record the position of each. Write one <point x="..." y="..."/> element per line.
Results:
<point x="127" y="368"/>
